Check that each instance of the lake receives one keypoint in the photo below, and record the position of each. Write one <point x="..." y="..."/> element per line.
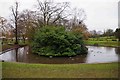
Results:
<point x="95" y="55"/>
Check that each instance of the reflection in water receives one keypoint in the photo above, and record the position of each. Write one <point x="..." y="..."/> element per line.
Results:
<point x="95" y="55"/>
<point x="100" y="55"/>
<point x="16" y="52"/>
<point x="117" y="50"/>
<point x="108" y="48"/>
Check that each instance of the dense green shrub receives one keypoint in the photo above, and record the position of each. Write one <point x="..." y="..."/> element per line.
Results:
<point x="56" y="41"/>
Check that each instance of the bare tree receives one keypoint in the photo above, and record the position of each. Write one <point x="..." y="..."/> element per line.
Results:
<point x="3" y="21"/>
<point x="51" y="12"/>
<point x="27" y="24"/>
<point x="77" y="22"/>
<point x="78" y="17"/>
<point x="4" y="26"/>
<point x="15" y="15"/>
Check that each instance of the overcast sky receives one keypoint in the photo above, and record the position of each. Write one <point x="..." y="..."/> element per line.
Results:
<point x="101" y="14"/>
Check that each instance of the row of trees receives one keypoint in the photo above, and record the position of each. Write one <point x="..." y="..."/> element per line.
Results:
<point x="24" y="24"/>
<point x="107" y="33"/>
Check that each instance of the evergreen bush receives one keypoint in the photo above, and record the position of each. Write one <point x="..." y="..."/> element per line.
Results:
<point x="56" y="41"/>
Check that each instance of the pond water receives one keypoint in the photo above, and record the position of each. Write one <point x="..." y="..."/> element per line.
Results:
<point x="95" y="55"/>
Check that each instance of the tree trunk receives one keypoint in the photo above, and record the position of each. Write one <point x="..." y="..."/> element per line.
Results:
<point x="119" y="39"/>
<point x="23" y="39"/>
<point x="16" y="40"/>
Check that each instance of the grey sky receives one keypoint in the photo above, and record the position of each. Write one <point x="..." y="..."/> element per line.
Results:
<point x="119" y="14"/>
<point x="101" y="14"/>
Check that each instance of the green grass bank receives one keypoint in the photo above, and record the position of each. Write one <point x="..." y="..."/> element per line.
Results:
<point x="22" y="70"/>
<point x="103" y="43"/>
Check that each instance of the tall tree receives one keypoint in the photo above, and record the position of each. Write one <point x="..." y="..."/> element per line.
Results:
<point x="27" y="24"/>
<point x="15" y="15"/>
<point x="77" y="22"/>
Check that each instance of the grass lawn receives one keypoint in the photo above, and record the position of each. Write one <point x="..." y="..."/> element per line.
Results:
<point x="107" y="38"/>
<point x="103" y="43"/>
<point x="22" y="70"/>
